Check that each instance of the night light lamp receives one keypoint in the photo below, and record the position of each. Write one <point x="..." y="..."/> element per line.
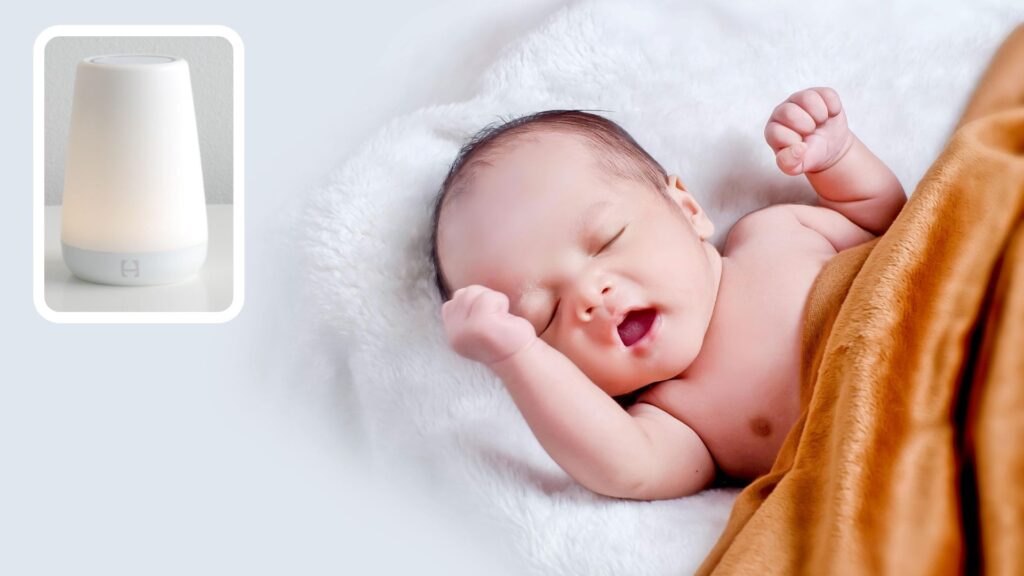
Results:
<point x="134" y="208"/>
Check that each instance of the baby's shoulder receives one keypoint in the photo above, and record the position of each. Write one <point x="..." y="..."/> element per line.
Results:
<point x="795" y="229"/>
<point x="772" y="227"/>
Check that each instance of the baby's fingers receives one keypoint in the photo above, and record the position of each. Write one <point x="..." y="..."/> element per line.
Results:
<point x="794" y="117"/>
<point x="779" y="136"/>
<point x="791" y="159"/>
<point x="831" y="99"/>
<point x="811" y="102"/>
<point x="462" y="300"/>
<point x="489" y="302"/>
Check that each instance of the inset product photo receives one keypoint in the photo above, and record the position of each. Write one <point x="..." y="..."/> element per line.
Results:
<point x="138" y="180"/>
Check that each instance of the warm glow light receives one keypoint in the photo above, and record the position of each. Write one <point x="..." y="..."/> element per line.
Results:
<point x="134" y="207"/>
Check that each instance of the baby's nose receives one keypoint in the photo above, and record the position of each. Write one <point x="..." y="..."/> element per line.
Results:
<point x="590" y="305"/>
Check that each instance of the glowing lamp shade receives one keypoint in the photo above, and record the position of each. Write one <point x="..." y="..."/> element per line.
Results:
<point x="134" y="208"/>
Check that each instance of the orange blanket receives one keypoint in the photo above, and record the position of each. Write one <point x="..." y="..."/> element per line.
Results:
<point x="908" y="457"/>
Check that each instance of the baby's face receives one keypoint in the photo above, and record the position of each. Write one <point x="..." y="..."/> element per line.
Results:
<point x="611" y="274"/>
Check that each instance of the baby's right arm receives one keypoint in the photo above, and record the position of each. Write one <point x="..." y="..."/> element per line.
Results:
<point x="644" y="453"/>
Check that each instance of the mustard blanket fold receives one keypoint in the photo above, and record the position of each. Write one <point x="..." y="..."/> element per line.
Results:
<point x="908" y="457"/>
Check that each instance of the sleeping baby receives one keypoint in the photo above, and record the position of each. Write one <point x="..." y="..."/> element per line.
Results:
<point x="581" y="274"/>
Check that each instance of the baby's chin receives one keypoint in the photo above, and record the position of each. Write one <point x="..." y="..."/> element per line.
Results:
<point x="670" y="358"/>
<point x="631" y="385"/>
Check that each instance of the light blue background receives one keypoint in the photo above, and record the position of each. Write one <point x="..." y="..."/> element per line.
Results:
<point x="198" y="449"/>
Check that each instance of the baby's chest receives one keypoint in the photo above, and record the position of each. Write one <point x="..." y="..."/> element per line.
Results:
<point x="776" y="267"/>
<point x="758" y="335"/>
<point x="742" y="395"/>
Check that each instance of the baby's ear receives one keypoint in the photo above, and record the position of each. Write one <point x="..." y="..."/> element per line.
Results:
<point x="676" y="190"/>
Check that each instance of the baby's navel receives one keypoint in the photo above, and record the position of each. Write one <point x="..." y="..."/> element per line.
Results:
<point x="760" y="426"/>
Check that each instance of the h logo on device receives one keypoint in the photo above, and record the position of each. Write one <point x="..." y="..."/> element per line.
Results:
<point x="130" y="268"/>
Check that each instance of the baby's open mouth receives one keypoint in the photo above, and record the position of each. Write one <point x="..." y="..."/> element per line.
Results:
<point x="636" y="324"/>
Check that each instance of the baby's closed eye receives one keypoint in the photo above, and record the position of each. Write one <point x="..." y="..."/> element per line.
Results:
<point x="612" y="240"/>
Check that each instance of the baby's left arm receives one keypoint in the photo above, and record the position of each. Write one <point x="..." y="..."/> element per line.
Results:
<point x="810" y="136"/>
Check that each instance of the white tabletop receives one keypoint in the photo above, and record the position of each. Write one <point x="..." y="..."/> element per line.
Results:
<point x="208" y="291"/>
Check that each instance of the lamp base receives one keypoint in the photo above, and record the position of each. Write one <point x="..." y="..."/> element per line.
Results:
<point x="134" y="268"/>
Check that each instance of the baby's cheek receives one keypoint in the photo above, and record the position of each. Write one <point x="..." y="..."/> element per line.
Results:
<point x="600" y="368"/>
<point x="598" y="365"/>
<point x="572" y="352"/>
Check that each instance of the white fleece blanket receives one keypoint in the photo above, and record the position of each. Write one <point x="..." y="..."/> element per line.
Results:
<point x="694" y="82"/>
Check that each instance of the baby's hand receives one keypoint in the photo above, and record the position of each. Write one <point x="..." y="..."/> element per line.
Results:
<point x="808" y="132"/>
<point x="480" y="328"/>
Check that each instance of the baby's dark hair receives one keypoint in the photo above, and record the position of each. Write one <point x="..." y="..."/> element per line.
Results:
<point x="618" y="154"/>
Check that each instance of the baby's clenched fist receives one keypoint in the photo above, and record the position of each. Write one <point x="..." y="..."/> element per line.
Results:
<point x="808" y="132"/>
<point x="480" y="327"/>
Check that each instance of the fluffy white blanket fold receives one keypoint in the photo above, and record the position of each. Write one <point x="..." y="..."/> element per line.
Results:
<point x="694" y="82"/>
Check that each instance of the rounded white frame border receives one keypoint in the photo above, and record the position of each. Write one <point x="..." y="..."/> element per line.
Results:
<point x="38" y="174"/>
